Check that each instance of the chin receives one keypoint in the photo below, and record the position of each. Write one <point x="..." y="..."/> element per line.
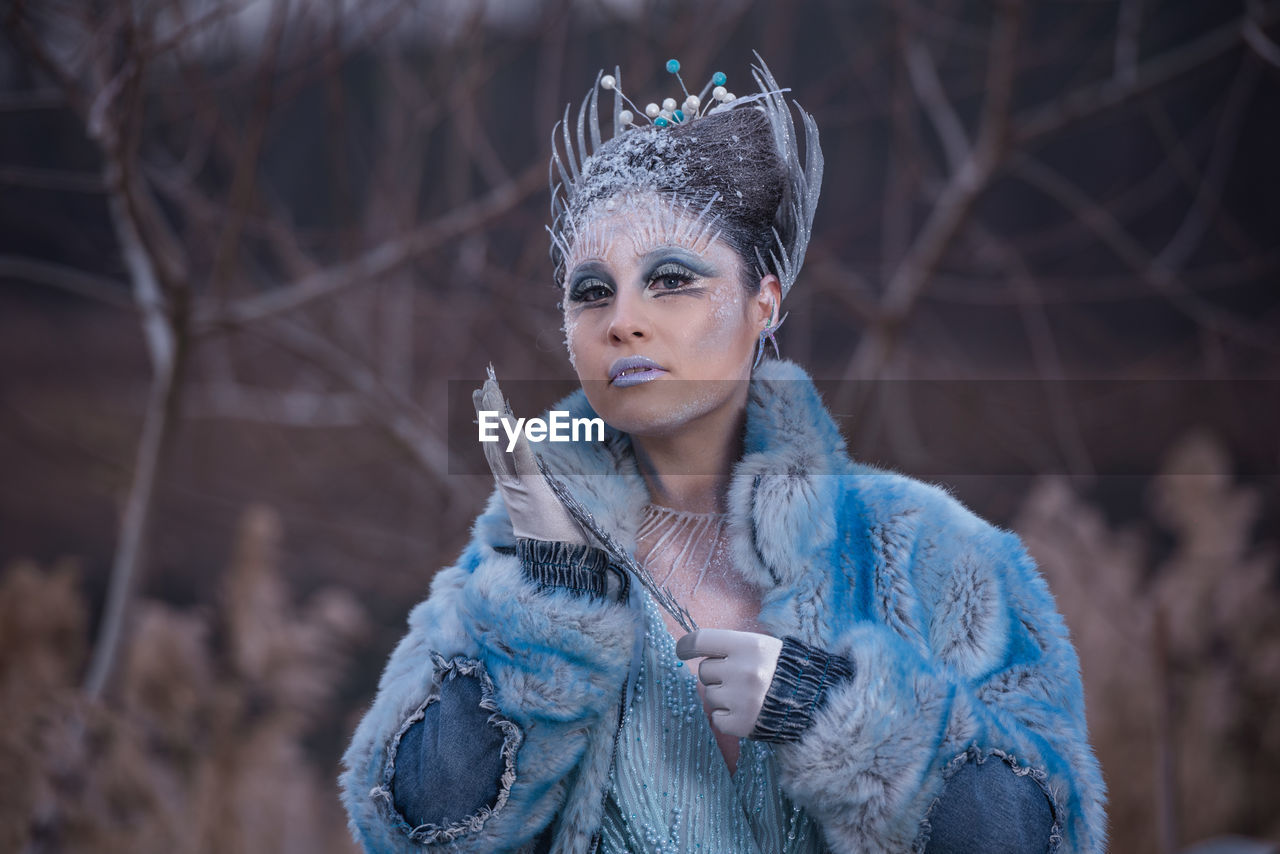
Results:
<point x="660" y="408"/>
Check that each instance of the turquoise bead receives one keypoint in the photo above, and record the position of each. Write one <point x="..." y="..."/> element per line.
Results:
<point x="718" y="78"/>
<point x="673" y="65"/>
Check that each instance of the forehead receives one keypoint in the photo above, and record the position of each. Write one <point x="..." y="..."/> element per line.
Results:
<point x="631" y="225"/>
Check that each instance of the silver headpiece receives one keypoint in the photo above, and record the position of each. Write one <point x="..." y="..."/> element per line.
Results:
<point x="589" y="169"/>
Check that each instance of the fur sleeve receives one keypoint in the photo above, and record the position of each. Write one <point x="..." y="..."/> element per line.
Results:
<point x="965" y="658"/>
<point x="555" y="663"/>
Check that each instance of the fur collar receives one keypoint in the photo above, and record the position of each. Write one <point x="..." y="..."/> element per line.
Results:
<point x="782" y="501"/>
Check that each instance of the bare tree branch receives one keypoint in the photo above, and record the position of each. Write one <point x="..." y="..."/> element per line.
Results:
<point x="112" y="116"/>
<point x="1090" y="100"/>
<point x="1262" y="46"/>
<point x="928" y="88"/>
<point x="902" y="173"/>
<point x="40" y="99"/>
<point x="952" y="207"/>
<point x="285" y="407"/>
<point x="1131" y="252"/>
<point x="1121" y="287"/>
<point x="240" y="194"/>
<point x="1209" y="191"/>
<point x="1128" y="28"/>
<point x="50" y="179"/>
<point x="99" y="288"/>
<point x="1044" y="351"/>
<point x="403" y="420"/>
<point x="157" y="429"/>
<point x="377" y="262"/>
<point x="1179" y="159"/>
<point x="183" y="34"/>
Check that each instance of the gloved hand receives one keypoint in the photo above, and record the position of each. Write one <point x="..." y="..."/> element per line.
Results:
<point x="534" y="510"/>
<point x="737" y="669"/>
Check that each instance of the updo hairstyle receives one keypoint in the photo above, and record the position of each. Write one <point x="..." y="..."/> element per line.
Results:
<point x="725" y="163"/>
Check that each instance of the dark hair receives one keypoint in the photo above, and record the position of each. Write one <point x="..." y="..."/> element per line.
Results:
<point x="729" y="156"/>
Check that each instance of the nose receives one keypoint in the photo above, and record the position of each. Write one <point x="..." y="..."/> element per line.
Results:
<point x="630" y="321"/>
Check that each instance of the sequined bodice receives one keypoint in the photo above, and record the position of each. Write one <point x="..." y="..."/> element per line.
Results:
<point x="671" y="790"/>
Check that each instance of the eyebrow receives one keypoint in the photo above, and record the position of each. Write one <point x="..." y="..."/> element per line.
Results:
<point x="589" y="268"/>
<point x="681" y="255"/>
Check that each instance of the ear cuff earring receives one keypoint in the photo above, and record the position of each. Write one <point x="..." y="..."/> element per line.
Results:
<point x="766" y="334"/>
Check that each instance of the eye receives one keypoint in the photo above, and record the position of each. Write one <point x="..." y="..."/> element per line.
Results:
<point x="671" y="277"/>
<point x="589" y="290"/>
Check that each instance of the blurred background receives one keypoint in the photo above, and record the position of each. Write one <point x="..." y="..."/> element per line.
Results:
<point x="248" y="248"/>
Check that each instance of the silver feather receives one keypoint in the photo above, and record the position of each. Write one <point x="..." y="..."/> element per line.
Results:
<point x="661" y="595"/>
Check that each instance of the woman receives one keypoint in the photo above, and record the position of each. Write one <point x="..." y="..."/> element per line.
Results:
<point x="877" y="669"/>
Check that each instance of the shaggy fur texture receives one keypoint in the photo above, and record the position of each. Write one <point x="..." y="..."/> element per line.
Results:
<point x="957" y="646"/>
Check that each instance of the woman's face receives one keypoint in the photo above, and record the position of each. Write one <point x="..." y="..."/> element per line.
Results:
<point x="658" y="324"/>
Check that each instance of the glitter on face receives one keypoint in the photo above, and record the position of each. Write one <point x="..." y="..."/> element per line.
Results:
<point x="652" y="278"/>
<point x="645" y="219"/>
<point x="687" y="165"/>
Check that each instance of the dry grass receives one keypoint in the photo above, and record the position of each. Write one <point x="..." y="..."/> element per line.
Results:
<point x="199" y="747"/>
<point x="1181" y="655"/>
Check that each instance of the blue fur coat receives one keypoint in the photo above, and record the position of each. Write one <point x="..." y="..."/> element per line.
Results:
<point x="960" y="660"/>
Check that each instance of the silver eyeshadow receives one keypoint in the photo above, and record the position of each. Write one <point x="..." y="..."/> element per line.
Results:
<point x="651" y="263"/>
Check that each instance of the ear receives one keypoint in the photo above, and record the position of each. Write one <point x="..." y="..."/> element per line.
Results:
<point x="767" y="303"/>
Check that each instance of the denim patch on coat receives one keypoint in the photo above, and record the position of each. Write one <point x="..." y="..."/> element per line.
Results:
<point x="427" y="813"/>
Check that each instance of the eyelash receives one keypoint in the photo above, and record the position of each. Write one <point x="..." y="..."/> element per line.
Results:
<point x="587" y="286"/>
<point x="672" y="271"/>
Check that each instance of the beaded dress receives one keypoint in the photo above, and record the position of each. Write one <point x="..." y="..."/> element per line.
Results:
<point x="671" y="790"/>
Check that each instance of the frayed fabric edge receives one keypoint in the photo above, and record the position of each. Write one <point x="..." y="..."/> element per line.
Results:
<point x="430" y="834"/>
<point x="978" y="756"/>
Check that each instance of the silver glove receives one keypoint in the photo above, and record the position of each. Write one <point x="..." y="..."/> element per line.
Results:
<point x="736" y="668"/>
<point x="534" y="510"/>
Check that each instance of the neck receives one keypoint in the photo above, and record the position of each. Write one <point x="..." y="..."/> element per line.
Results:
<point x="689" y="469"/>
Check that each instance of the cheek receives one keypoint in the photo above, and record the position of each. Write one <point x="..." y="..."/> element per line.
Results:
<point x="575" y="339"/>
<point x="725" y="329"/>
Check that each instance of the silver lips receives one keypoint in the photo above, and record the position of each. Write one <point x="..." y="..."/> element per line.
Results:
<point x="634" y="370"/>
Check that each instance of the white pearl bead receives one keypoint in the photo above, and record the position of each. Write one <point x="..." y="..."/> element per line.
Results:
<point x="729" y="96"/>
<point x="626" y="117"/>
<point x="692" y="102"/>
<point x="652" y="111"/>
<point x="666" y="114"/>
<point x="719" y="92"/>
<point x="607" y="82"/>
<point x="669" y="104"/>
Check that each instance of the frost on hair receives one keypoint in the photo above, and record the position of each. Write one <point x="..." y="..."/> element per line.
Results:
<point x="723" y="169"/>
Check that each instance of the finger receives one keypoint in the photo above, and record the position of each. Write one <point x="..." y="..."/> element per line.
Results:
<point x="522" y="458"/>
<point x="488" y="398"/>
<point x="719" y="699"/>
<point x="491" y="398"/>
<point x="499" y="462"/>
<point x="686" y="646"/>
<point x="713" y="643"/>
<point x="729" y="722"/>
<point x="712" y="671"/>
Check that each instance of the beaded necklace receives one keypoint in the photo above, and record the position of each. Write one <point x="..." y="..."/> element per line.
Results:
<point x="673" y="537"/>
